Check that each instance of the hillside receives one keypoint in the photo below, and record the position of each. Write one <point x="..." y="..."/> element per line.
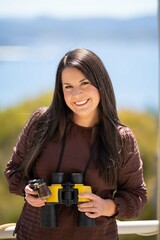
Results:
<point x="44" y="30"/>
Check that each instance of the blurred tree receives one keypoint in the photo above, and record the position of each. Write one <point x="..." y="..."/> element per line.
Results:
<point x="144" y="126"/>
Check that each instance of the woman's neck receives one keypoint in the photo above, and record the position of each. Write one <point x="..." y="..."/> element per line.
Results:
<point x="85" y="122"/>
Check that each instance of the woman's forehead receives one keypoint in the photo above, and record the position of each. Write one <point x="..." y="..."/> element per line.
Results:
<point x="71" y="74"/>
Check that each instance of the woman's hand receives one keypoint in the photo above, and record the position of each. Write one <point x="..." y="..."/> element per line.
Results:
<point x="97" y="206"/>
<point x="32" y="199"/>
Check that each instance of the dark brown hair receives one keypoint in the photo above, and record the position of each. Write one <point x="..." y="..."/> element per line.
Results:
<point x="106" y="145"/>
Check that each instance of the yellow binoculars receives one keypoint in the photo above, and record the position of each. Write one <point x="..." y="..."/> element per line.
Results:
<point x="64" y="192"/>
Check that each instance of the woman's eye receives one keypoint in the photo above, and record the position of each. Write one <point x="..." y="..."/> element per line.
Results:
<point x="68" y="87"/>
<point x="85" y="83"/>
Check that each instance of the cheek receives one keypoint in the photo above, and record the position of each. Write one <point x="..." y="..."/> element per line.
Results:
<point x="94" y="92"/>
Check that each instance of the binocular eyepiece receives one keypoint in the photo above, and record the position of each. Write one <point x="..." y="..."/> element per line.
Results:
<point x="41" y="187"/>
<point x="61" y="191"/>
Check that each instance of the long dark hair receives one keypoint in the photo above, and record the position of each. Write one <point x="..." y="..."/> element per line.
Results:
<point x="106" y="146"/>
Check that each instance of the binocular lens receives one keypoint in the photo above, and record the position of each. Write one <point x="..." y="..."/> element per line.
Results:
<point x="48" y="216"/>
<point x="57" y="178"/>
<point x="84" y="221"/>
<point x="77" y="178"/>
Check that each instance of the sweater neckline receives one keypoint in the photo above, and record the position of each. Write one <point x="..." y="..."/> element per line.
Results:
<point x="82" y="127"/>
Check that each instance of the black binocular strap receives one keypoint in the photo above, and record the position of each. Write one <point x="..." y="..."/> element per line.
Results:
<point x="61" y="152"/>
<point x="61" y="156"/>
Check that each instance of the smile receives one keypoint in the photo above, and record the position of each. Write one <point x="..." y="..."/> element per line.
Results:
<point x="81" y="103"/>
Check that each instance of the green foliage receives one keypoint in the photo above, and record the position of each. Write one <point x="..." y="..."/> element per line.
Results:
<point x="12" y="120"/>
<point x="144" y="126"/>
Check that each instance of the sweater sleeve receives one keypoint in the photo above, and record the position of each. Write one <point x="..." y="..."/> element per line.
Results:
<point x="131" y="194"/>
<point x="12" y="172"/>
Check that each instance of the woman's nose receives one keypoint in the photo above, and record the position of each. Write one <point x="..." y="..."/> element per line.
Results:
<point x="76" y="91"/>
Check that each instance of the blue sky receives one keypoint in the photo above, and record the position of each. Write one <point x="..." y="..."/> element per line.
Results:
<point x="78" y="9"/>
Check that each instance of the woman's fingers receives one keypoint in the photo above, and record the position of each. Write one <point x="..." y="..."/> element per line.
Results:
<point x="32" y="198"/>
<point x="30" y="190"/>
<point x="92" y="215"/>
<point x="96" y="206"/>
<point x="89" y="204"/>
<point x="90" y="196"/>
<point x="34" y="201"/>
<point x="90" y="208"/>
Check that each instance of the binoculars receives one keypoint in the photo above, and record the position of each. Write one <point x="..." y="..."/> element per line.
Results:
<point x="61" y="192"/>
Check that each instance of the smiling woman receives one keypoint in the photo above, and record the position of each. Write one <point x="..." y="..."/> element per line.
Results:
<point x="80" y="96"/>
<point x="77" y="141"/>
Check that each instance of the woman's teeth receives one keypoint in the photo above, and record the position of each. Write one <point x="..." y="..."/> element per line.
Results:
<point x="81" y="102"/>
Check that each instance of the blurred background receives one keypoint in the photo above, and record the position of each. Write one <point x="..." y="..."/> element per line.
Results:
<point x="34" y="36"/>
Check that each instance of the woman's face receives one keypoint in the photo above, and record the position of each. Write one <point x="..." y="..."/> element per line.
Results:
<point x="80" y="96"/>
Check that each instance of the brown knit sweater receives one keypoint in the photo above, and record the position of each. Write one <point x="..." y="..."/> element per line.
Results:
<point x="130" y="189"/>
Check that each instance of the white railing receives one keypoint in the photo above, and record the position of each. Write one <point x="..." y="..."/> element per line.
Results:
<point x="143" y="228"/>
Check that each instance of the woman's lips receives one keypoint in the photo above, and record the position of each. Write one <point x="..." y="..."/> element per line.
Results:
<point x="81" y="103"/>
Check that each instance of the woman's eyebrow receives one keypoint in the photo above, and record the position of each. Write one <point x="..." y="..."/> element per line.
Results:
<point x="66" y="83"/>
<point x="83" y="79"/>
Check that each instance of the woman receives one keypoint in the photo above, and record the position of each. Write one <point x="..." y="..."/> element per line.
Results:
<point x="80" y="132"/>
